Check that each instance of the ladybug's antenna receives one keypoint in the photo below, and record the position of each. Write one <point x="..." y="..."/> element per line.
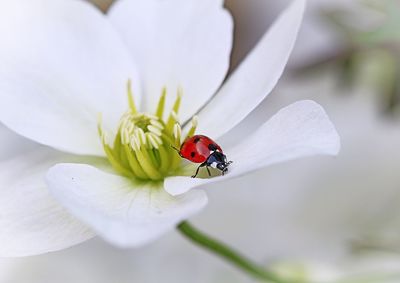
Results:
<point x="177" y="150"/>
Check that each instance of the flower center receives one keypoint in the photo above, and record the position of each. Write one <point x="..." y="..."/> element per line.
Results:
<point x="144" y="146"/>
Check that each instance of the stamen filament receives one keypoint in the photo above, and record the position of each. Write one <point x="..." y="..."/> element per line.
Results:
<point x="115" y="162"/>
<point x="148" y="168"/>
<point x="178" y="100"/>
<point x="133" y="163"/>
<point x="123" y="159"/>
<point x="173" y="117"/>
<point x="143" y="145"/>
<point x="164" y="159"/>
<point x="155" y="155"/>
<point x="161" y="104"/>
<point x="193" y="128"/>
<point x="177" y="135"/>
<point x="131" y="101"/>
<point x="117" y="142"/>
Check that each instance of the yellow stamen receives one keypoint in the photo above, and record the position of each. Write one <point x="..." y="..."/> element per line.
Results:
<point x="131" y="101"/>
<point x="161" y="103"/>
<point x="143" y="146"/>
<point x="193" y="128"/>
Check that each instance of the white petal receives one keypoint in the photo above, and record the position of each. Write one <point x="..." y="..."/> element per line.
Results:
<point x="31" y="221"/>
<point x="298" y="130"/>
<point x="177" y="44"/>
<point x="255" y="77"/>
<point x="125" y="213"/>
<point x="12" y="144"/>
<point x="61" y="64"/>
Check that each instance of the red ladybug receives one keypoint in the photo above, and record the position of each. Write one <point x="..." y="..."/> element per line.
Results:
<point x="202" y="149"/>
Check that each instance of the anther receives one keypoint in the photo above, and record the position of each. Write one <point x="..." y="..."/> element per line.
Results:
<point x="139" y="133"/>
<point x="142" y="146"/>
<point x="154" y="130"/>
<point x="152" y="141"/>
<point x="177" y="134"/>
<point x="135" y="144"/>
<point x="157" y="124"/>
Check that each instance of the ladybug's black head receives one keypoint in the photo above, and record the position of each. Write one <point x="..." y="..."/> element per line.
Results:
<point x="223" y="166"/>
<point x="218" y="160"/>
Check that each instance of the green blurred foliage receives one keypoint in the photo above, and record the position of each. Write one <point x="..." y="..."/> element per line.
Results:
<point x="372" y="49"/>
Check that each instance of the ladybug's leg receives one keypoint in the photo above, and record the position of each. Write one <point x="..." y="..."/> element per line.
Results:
<point x="198" y="168"/>
<point x="208" y="170"/>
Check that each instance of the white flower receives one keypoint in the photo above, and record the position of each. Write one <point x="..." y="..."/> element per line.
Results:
<point x="62" y="63"/>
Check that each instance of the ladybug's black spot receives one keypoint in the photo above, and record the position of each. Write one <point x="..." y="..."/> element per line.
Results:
<point x="196" y="140"/>
<point x="193" y="154"/>
<point x="212" y="147"/>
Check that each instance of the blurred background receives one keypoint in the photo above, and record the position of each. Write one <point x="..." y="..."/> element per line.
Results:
<point x="323" y="220"/>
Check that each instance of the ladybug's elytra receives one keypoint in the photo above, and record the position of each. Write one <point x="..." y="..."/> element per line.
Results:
<point x="202" y="149"/>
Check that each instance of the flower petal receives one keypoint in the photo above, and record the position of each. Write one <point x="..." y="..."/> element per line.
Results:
<point x="298" y="130"/>
<point x="255" y="77"/>
<point x="31" y="221"/>
<point x="125" y="213"/>
<point x="13" y="144"/>
<point x="61" y="64"/>
<point x="177" y="44"/>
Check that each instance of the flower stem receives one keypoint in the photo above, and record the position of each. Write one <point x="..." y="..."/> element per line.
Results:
<point x="227" y="253"/>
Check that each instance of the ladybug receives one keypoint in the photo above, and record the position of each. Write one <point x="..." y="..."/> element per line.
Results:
<point x="202" y="149"/>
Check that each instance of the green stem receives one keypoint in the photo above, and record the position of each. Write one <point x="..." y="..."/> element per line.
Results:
<point x="227" y="253"/>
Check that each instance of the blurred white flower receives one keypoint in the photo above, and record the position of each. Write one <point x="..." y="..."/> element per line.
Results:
<point x="319" y="39"/>
<point x="62" y="62"/>
<point x="368" y="268"/>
